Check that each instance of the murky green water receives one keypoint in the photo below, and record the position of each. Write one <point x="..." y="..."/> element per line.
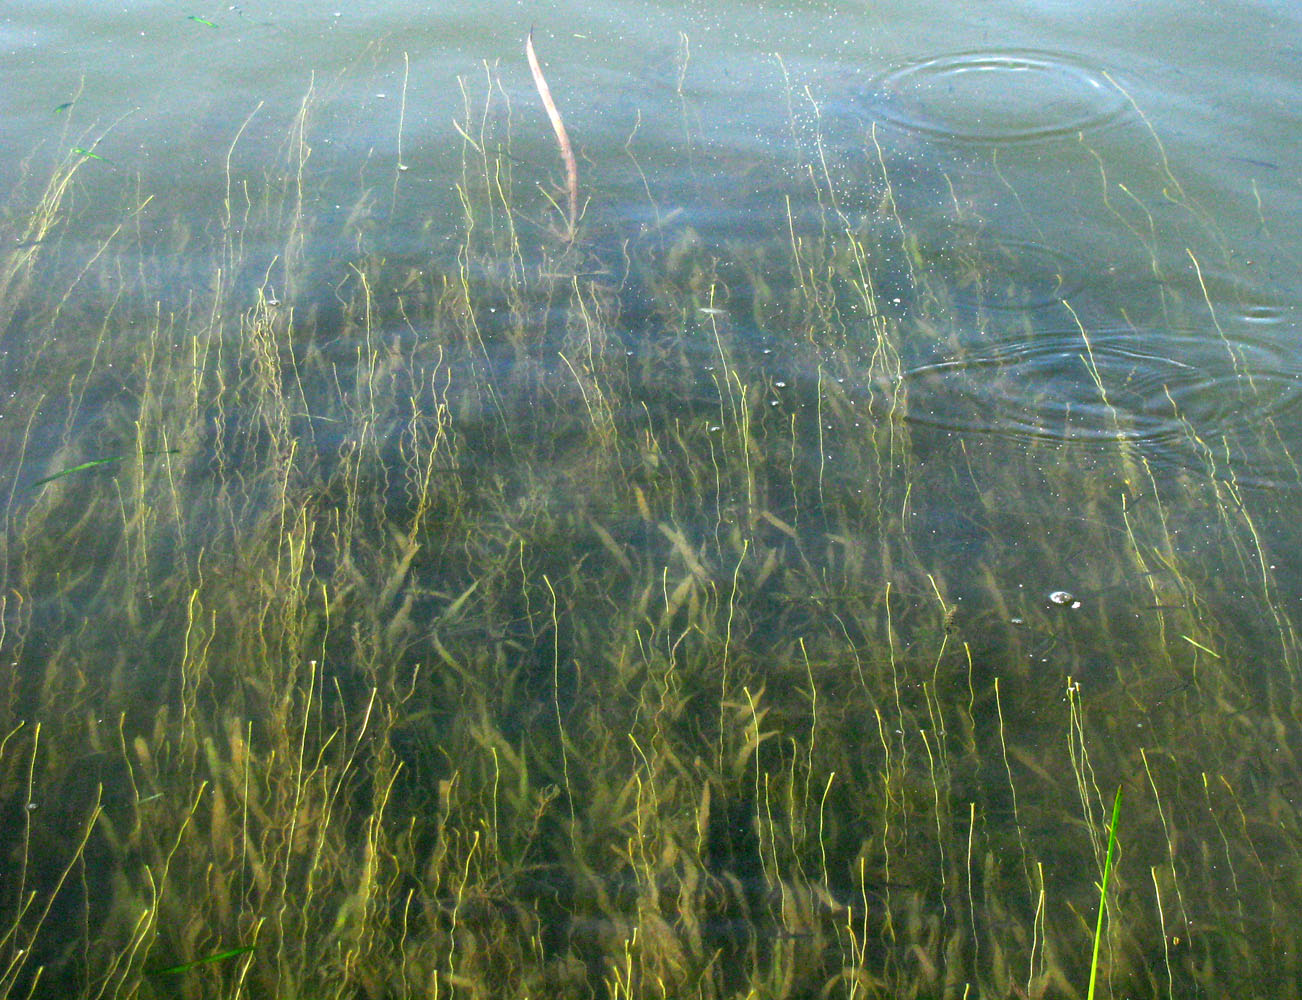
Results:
<point x="755" y="586"/>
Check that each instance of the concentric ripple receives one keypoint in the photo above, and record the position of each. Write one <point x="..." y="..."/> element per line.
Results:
<point x="1151" y="389"/>
<point x="999" y="97"/>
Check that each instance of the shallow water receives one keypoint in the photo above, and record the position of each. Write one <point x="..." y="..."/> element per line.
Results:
<point x="925" y="379"/>
<point x="685" y="113"/>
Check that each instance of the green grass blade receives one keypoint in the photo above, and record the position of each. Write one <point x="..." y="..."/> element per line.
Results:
<point x="96" y="463"/>
<point x="89" y="154"/>
<point x="221" y="956"/>
<point x="77" y="468"/>
<point x="1103" y="893"/>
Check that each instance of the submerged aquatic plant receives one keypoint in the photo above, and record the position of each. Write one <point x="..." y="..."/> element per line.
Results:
<point x="1103" y="893"/>
<point x="219" y="956"/>
<point x="576" y="645"/>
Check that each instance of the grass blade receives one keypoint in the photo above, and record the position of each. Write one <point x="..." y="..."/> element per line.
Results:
<point x="1103" y="893"/>
<point x="96" y="463"/>
<point x="77" y="468"/>
<point x="221" y="956"/>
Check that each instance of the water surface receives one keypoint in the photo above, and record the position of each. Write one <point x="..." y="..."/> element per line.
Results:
<point x="762" y="592"/>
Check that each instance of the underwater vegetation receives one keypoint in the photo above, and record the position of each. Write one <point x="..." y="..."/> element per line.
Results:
<point x="623" y="612"/>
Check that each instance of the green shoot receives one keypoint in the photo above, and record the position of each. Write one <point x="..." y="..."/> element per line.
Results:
<point x="77" y="468"/>
<point x="93" y="464"/>
<point x="221" y="956"/>
<point x="1103" y="892"/>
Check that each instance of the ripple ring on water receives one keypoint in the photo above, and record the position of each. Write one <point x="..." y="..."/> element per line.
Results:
<point x="1000" y="97"/>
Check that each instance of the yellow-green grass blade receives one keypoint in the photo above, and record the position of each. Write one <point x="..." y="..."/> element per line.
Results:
<point x="1103" y="893"/>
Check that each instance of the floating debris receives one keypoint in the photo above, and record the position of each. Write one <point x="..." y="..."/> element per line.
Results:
<point x="562" y="137"/>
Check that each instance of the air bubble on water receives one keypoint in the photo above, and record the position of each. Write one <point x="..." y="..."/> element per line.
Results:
<point x="1064" y="598"/>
